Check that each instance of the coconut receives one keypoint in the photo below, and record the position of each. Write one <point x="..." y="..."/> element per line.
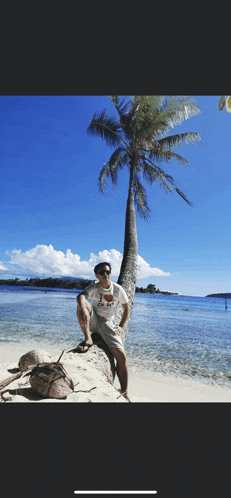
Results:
<point x="33" y="358"/>
<point x="50" y="380"/>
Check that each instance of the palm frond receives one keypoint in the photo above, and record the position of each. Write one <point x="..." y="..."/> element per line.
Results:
<point x="169" y="183"/>
<point x="125" y="111"/>
<point x="161" y="150"/>
<point x="181" y="108"/>
<point x="104" y="173"/>
<point x="140" y="198"/>
<point x="149" y="104"/>
<point x="183" y="196"/>
<point x="175" y="110"/>
<point x="152" y="172"/>
<point x="149" y="173"/>
<point x="117" y="161"/>
<point x="178" y="140"/>
<point x="106" y="127"/>
<point x="147" y="111"/>
<point x="221" y="103"/>
<point x="173" y="155"/>
<point x="155" y="120"/>
<point x="149" y="124"/>
<point x="160" y="155"/>
<point x="121" y="105"/>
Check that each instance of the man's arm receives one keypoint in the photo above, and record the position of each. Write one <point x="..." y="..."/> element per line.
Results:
<point x="82" y="306"/>
<point x="81" y="299"/>
<point x="125" y="316"/>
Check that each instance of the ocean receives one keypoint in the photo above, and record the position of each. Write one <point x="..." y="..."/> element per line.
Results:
<point x="183" y="336"/>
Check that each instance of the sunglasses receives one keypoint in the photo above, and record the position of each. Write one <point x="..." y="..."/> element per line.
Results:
<point x="104" y="271"/>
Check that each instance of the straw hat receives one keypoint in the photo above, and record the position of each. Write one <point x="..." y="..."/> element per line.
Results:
<point x="50" y="380"/>
<point x="33" y="358"/>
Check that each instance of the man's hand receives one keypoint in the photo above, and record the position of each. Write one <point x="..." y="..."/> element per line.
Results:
<point x="126" y="312"/>
<point x="118" y="329"/>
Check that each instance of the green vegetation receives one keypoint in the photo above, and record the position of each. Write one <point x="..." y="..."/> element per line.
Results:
<point x="48" y="282"/>
<point x="62" y="283"/>
<point x="223" y="295"/>
<point x="151" y="289"/>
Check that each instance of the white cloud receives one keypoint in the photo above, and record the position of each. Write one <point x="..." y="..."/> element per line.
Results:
<point x="144" y="270"/>
<point x="44" y="260"/>
<point x="3" y="267"/>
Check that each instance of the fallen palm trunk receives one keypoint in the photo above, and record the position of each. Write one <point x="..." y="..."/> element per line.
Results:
<point x="10" y="379"/>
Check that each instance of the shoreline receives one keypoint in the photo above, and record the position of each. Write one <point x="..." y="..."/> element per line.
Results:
<point x="143" y="386"/>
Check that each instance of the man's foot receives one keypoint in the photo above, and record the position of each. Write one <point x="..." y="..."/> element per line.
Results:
<point x="82" y="347"/>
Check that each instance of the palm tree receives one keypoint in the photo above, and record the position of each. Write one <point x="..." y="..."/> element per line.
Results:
<point x="139" y="136"/>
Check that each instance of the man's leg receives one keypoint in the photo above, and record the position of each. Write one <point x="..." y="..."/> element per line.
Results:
<point x="122" y="368"/>
<point x="84" y="322"/>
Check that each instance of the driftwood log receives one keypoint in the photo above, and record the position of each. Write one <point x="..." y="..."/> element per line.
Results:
<point x="89" y="377"/>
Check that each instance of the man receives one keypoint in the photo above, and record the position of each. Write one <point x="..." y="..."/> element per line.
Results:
<point x="105" y="297"/>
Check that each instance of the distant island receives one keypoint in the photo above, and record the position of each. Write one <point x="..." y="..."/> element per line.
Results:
<point x="151" y="289"/>
<point x="57" y="283"/>
<point x="73" y="283"/>
<point x="224" y="295"/>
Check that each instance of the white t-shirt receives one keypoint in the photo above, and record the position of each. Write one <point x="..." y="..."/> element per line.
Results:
<point x="105" y="301"/>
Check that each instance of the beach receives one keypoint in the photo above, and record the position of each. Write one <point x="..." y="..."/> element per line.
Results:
<point x="157" y="388"/>
<point x="178" y="347"/>
<point x="144" y="387"/>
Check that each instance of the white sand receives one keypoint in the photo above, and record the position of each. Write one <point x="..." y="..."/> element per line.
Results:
<point x="143" y="386"/>
<point x="146" y="387"/>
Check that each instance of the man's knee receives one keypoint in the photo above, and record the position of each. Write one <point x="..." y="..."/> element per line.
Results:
<point x="119" y="354"/>
<point x="86" y="305"/>
<point x="80" y="311"/>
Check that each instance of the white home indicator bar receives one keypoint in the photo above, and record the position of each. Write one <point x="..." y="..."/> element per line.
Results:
<point x="116" y="492"/>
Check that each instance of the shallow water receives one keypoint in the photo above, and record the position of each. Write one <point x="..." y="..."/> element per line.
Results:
<point x="180" y="335"/>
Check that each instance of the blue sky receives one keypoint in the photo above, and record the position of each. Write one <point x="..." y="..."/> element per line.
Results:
<point x="54" y="221"/>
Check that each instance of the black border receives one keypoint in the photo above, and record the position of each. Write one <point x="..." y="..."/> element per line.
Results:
<point x="56" y="448"/>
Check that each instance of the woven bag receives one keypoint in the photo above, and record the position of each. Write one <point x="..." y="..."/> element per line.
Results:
<point x="50" y="380"/>
<point x="33" y="358"/>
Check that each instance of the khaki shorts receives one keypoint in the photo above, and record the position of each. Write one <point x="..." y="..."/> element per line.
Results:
<point x="98" y="324"/>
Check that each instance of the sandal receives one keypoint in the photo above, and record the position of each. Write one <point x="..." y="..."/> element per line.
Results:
<point x="84" y="344"/>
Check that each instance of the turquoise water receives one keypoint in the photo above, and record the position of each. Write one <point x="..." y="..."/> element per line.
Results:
<point x="180" y="335"/>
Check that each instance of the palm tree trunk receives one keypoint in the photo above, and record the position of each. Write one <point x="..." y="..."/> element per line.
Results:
<point x="128" y="270"/>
